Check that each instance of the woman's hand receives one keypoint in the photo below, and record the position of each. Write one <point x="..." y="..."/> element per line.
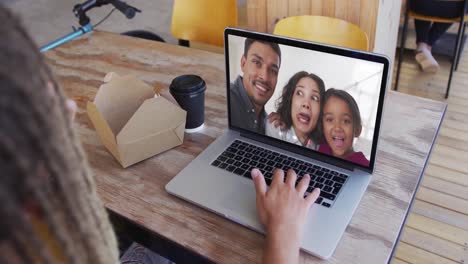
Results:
<point x="282" y="210"/>
<point x="275" y="119"/>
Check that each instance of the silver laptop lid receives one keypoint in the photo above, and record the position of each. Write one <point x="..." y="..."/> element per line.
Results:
<point x="330" y="99"/>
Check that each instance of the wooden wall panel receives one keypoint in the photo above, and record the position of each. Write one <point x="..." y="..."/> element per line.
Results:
<point x="328" y="8"/>
<point x="354" y="12"/>
<point x="257" y="15"/>
<point x="368" y="19"/>
<point x="276" y="10"/>
<point x="341" y="9"/>
<point x="299" y="7"/>
<point x="316" y="8"/>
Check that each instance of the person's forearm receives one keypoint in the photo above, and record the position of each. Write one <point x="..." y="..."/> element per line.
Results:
<point x="281" y="247"/>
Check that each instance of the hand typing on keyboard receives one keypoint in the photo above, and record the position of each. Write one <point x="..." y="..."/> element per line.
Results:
<point x="282" y="210"/>
<point x="241" y="157"/>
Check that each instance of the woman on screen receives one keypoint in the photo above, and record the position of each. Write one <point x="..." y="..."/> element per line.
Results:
<point x="300" y="109"/>
<point x="341" y="124"/>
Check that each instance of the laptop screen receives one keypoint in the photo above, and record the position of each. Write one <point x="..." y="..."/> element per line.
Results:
<point x="319" y="98"/>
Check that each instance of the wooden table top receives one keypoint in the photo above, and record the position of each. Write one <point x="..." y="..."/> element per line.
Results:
<point x="409" y="129"/>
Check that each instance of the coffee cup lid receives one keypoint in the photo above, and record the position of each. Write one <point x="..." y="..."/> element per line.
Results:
<point x="188" y="84"/>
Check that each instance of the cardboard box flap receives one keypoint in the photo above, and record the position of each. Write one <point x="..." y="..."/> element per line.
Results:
<point x="153" y="116"/>
<point x="179" y="131"/>
<point x="146" y="147"/>
<point x="119" y="98"/>
<point x="103" y="130"/>
<point x="166" y="94"/>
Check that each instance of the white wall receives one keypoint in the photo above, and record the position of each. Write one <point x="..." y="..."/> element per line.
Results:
<point x="359" y="78"/>
<point x="386" y="33"/>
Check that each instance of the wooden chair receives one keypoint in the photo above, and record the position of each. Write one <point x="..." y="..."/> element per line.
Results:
<point x="457" y="49"/>
<point x="323" y="29"/>
<point x="202" y="20"/>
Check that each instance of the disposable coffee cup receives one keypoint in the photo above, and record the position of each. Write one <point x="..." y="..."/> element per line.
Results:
<point x="189" y="92"/>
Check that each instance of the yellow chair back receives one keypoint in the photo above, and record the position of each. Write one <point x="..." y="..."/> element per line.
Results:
<point x="203" y="20"/>
<point x="323" y="29"/>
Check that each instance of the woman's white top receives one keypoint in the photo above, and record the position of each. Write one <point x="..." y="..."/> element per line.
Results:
<point x="288" y="135"/>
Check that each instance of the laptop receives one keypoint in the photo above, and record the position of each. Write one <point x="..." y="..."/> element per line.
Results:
<point x="330" y="100"/>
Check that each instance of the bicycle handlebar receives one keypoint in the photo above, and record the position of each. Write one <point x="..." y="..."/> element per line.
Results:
<point x="127" y="10"/>
<point x="80" y="12"/>
<point x="80" y="9"/>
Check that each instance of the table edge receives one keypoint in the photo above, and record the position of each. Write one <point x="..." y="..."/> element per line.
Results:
<point x="413" y="195"/>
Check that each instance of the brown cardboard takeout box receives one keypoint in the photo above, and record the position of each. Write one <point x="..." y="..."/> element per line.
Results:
<point x="131" y="122"/>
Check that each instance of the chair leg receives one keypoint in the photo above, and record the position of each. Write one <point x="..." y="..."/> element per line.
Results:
<point x="402" y="47"/>
<point x="460" y="47"/>
<point x="457" y="46"/>
<point x="454" y="61"/>
<point x="455" y="51"/>
<point x="183" y="42"/>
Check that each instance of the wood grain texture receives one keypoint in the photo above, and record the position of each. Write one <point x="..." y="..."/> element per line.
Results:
<point x="138" y="192"/>
<point x="438" y="229"/>
<point x="453" y="138"/>
<point x="447" y="174"/>
<point x="368" y="20"/>
<point x="443" y="200"/>
<point x="440" y="214"/>
<point x="415" y="255"/>
<point x="341" y="9"/>
<point x="445" y="187"/>
<point x="328" y="8"/>
<point x="442" y="160"/>
<point x="354" y="12"/>
<point x="443" y="178"/>
<point x="298" y="7"/>
<point x="257" y="15"/>
<point x="276" y="10"/>
<point x="316" y="7"/>
<point x="398" y="261"/>
<point x="434" y="244"/>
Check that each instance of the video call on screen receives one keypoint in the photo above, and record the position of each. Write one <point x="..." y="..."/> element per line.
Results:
<point x="323" y="102"/>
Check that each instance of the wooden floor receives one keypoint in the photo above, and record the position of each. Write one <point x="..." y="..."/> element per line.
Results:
<point x="436" y="230"/>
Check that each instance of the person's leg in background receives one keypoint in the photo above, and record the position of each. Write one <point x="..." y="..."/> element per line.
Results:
<point x="132" y="252"/>
<point x="427" y="33"/>
<point x="437" y="30"/>
<point x="138" y="254"/>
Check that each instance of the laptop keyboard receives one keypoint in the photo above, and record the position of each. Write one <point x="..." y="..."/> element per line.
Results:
<point x="241" y="157"/>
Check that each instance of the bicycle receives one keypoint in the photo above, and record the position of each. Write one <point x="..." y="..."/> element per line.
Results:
<point x="85" y="23"/>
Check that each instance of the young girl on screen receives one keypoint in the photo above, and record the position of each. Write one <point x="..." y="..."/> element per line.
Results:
<point x="341" y="123"/>
<point x="299" y="108"/>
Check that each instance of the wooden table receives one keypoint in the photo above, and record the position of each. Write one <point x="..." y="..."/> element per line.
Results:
<point x="137" y="194"/>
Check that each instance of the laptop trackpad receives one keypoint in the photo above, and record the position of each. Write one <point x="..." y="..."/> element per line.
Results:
<point x="239" y="203"/>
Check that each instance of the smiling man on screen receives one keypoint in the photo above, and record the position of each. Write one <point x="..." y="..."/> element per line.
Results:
<point x="249" y="93"/>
